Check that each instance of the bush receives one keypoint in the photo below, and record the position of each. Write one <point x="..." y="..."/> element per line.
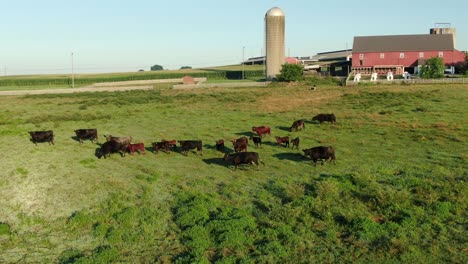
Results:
<point x="291" y="73"/>
<point x="434" y="68"/>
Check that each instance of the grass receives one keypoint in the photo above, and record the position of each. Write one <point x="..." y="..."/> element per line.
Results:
<point x="396" y="194"/>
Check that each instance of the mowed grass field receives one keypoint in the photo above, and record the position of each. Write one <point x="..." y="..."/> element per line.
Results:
<point x="396" y="194"/>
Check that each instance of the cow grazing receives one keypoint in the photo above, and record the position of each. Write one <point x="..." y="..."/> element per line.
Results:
<point x="297" y="125"/>
<point x="242" y="158"/>
<point x="140" y="147"/>
<point x="87" y="133"/>
<point x="121" y="140"/>
<point x="256" y="140"/>
<point x="172" y="143"/>
<point x="321" y="153"/>
<point x="283" y="140"/>
<point x="110" y="147"/>
<point x="161" y="145"/>
<point x="262" y="130"/>
<point x="240" y="144"/>
<point x="324" y="118"/>
<point x="295" y="143"/>
<point x="42" y="136"/>
<point x="191" y="144"/>
<point x="220" y="145"/>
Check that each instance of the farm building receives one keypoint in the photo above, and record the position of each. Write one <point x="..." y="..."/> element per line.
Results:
<point x="400" y="53"/>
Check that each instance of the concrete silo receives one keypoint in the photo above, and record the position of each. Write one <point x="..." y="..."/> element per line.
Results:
<point x="274" y="41"/>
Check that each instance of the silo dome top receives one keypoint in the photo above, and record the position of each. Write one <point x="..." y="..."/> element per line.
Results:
<point x="275" y="11"/>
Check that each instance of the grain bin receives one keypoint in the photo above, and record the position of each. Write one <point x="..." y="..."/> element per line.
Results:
<point x="274" y="41"/>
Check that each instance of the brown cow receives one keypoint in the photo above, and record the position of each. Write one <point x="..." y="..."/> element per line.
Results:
<point x="240" y="144"/>
<point x="283" y="140"/>
<point x="262" y="130"/>
<point x="160" y="145"/>
<point x="298" y="124"/>
<point x="295" y="143"/>
<point x="140" y="147"/>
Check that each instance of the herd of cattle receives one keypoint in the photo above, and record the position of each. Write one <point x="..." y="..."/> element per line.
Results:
<point x="123" y="145"/>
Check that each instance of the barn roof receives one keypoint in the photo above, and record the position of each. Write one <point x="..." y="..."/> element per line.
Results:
<point x="425" y="42"/>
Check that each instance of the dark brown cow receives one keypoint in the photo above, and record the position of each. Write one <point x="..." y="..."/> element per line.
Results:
<point x="283" y="140"/>
<point x="87" y="133"/>
<point x="325" y="118"/>
<point x="220" y="145"/>
<point x="191" y="144"/>
<point x="42" y="136"/>
<point x="242" y="158"/>
<point x="172" y="143"/>
<point x="295" y="143"/>
<point x="240" y="144"/>
<point x="111" y="147"/>
<point x="321" y="153"/>
<point x="256" y="140"/>
<point x="140" y="147"/>
<point x="160" y="145"/>
<point x="298" y="124"/>
<point x="262" y="130"/>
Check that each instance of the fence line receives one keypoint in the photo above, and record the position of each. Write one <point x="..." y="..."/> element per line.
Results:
<point x="410" y="81"/>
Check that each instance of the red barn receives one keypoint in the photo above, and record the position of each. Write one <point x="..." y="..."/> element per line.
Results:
<point x="400" y="53"/>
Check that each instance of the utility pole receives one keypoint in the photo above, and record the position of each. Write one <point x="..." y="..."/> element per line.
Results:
<point x="73" y="72"/>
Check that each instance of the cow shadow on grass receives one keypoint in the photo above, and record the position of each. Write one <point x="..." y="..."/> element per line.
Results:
<point x="215" y="161"/>
<point x="283" y="128"/>
<point x="245" y="134"/>
<point x="298" y="157"/>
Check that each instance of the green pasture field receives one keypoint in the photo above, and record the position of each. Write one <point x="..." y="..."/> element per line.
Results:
<point x="397" y="193"/>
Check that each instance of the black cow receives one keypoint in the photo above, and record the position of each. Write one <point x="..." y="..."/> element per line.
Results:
<point x="42" y="136"/>
<point x="321" y="153"/>
<point x="86" y="133"/>
<point x="110" y="147"/>
<point x="220" y="145"/>
<point x="295" y="143"/>
<point x="256" y="140"/>
<point x="242" y="158"/>
<point x="298" y="124"/>
<point x="191" y="144"/>
<point x="325" y="118"/>
<point x="161" y="145"/>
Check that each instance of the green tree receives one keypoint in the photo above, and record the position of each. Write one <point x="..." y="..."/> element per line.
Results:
<point x="157" y="68"/>
<point x="185" y="67"/>
<point x="291" y="73"/>
<point x="433" y="68"/>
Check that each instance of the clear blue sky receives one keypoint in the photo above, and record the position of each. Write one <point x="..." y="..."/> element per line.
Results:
<point x="110" y="36"/>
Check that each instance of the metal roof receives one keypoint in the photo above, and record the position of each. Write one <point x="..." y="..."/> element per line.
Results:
<point x="436" y="42"/>
<point x="275" y="11"/>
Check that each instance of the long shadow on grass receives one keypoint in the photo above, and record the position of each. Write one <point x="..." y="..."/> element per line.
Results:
<point x="245" y="134"/>
<point x="290" y="156"/>
<point x="215" y="161"/>
<point x="283" y="128"/>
